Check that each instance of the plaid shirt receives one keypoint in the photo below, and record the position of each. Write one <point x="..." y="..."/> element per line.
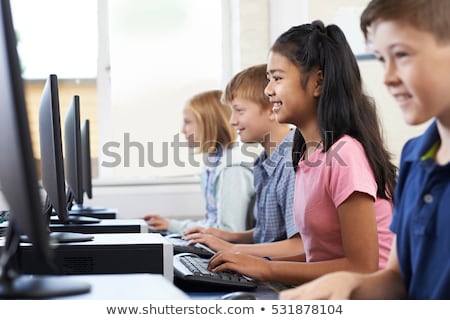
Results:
<point x="274" y="181"/>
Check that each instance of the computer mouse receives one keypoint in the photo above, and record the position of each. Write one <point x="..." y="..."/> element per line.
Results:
<point x="174" y="236"/>
<point x="238" y="295"/>
<point x="187" y="254"/>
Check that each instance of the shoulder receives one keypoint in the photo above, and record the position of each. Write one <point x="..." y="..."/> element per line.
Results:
<point x="346" y="149"/>
<point x="347" y="143"/>
<point x="239" y="154"/>
<point x="411" y="148"/>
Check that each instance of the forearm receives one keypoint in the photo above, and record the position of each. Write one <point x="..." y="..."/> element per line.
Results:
<point x="245" y="237"/>
<point x="178" y="226"/>
<point x="383" y="284"/>
<point x="296" y="273"/>
<point x="284" y="248"/>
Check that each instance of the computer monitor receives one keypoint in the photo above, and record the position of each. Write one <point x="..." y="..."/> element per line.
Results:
<point x="78" y="161"/>
<point x="86" y="158"/>
<point x="18" y="178"/>
<point x="52" y="160"/>
<point x="52" y="164"/>
<point x="73" y="153"/>
<point x="86" y="170"/>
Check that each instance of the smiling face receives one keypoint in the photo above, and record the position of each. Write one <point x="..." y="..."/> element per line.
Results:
<point x="250" y="120"/>
<point x="291" y="102"/>
<point x="190" y="128"/>
<point x="417" y="69"/>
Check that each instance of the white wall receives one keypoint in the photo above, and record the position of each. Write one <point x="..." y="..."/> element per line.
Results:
<point x="172" y="197"/>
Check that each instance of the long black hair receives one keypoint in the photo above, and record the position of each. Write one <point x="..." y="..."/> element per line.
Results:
<point x="343" y="107"/>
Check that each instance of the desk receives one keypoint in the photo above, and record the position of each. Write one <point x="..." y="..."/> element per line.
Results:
<point x="262" y="292"/>
<point x="127" y="286"/>
<point x="104" y="226"/>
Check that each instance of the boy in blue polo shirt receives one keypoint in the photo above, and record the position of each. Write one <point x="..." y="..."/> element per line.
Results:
<point x="412" y="40"/>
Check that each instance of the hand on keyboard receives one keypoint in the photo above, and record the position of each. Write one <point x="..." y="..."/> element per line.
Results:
<point x="183" y="246"/>
<point x="255" y="267"/>
<point x="192" y="269"/>
<point x="210" y="240"/>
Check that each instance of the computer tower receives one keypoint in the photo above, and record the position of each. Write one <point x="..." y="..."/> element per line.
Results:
<point x="117" y="253"/>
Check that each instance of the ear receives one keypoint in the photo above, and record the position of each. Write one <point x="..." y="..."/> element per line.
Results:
<point x="318" y="82"/>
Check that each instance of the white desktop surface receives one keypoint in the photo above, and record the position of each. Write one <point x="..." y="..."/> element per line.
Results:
<point x="127" y="286"/>
<point x="107" y="222"/>
<point x="122" y="238"/>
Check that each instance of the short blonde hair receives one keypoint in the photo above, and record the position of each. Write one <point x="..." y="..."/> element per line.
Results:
<point x="212" y="118"/>
<point x="249" y="84"/>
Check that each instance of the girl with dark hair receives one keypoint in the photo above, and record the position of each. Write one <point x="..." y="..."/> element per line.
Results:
<point x="411" y="39"/>
<point x="344" y="177"/>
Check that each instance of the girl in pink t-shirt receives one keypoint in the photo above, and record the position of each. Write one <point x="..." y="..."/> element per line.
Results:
<point x="344" y="177"/>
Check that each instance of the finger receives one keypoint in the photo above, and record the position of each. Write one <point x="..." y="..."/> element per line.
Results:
<point x="226" y="266"/>
<point x="214" y="260"/>
<point x="290" y="294"/>
<point x="190" y="236"/>
<point x="193" y="230"/>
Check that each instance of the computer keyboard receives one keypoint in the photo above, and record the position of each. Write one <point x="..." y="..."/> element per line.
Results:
<point x="191" y="271"/>
<point x="183" y="246"/>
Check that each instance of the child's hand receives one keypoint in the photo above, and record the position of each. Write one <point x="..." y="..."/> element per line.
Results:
<point x="251" y="266"/>
<point x="211" y="241"/>
<point x="157" y="222"/>
<point x="333" y="286"/>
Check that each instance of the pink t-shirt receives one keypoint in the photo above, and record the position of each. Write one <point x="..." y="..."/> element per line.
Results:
<point x="325" y="181"/>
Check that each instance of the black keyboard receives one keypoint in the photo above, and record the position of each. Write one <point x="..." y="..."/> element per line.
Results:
<point x="191" y="273"/>
<point x="183" y="246"/>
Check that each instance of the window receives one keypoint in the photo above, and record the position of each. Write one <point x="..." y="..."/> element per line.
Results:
<point x="59" y="38"/>
<point x="159" y="53"/>
<point x="162" y="52"/>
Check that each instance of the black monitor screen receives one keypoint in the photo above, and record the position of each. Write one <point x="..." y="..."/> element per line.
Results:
<point x="52" y="160"/>
<point x="73" y="152"/>
<point x="86" y="161"/>
<point x="18" y="179"/>
<point x="17" y="165"/>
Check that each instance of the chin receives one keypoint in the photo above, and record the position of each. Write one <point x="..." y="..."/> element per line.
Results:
<point x="414" y="120"/>
<point x="282" y="119"/>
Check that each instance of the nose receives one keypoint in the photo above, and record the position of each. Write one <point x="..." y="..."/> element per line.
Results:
<point x="268" y="90"/>
<point x="233" y="119"/>
<point x="390" y="74"/>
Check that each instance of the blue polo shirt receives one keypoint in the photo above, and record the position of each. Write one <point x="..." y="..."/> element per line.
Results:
<point x="421" y="219"/>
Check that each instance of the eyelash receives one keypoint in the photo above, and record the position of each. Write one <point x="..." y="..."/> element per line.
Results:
<point x="274" y="78"/>
<point x="400" y="54"/>
<point x="397" y="55"/>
